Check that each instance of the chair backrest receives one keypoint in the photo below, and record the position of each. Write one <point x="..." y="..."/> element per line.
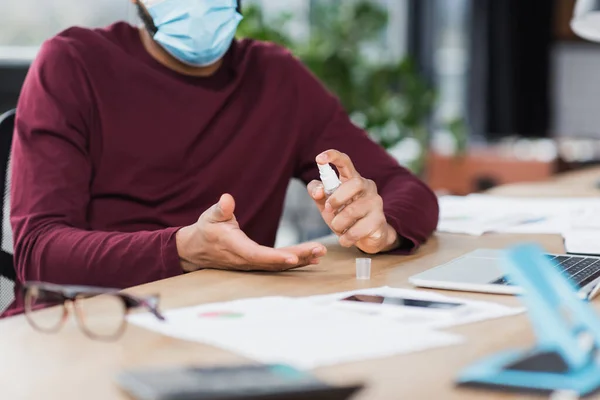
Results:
<point x="7" y="125"/>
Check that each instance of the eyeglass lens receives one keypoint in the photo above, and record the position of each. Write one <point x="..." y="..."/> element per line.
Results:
<point x="44" y="309"/>
<point x="101" y="316"/>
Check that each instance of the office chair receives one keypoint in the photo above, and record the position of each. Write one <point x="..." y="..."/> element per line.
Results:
<point x="8" y="275"/>
<point x="7" y="123"/>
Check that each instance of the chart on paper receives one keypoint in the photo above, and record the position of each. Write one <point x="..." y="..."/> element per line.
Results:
<point x="294" y="332"/>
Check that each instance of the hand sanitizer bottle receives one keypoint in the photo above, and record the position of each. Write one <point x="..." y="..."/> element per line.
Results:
<point x="329" y="178"/>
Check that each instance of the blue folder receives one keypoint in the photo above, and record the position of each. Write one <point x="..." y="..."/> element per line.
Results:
<point x="567" y="328"/>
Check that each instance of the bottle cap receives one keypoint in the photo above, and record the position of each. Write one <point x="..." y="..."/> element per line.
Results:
<point x="329" y="178"/>
<point x="363" y="268"/>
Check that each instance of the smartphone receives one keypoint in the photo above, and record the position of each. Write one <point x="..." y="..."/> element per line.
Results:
<point x="400" y="301"/>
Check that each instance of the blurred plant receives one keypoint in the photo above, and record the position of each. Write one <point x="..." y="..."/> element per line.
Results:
<point x="255" y="26"/>
<point x="391" y="100"/>
<point x="458" y="130"/>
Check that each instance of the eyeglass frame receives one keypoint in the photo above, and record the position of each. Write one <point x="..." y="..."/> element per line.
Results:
<point x="74" y="293"/>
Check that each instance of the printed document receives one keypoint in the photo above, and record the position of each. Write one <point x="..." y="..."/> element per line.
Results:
<point x="294" y="332"/>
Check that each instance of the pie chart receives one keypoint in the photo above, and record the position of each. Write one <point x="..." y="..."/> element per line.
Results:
<point x="221" y="315"/>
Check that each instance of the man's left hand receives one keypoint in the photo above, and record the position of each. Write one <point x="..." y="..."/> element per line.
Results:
<point x="355" y="210"/>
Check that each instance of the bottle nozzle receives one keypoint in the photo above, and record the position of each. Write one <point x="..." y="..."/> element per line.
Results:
<point x="329" y="178"/>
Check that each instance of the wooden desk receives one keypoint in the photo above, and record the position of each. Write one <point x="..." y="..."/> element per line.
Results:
<point x="67" y="365"/>
<point x="583" y="183"/>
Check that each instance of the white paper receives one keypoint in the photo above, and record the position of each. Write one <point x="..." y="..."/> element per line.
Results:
<point x="474" y="216"/>
<point x="294" y="332"/>
<point x="477" y="214"/>
<point x="472" y="311"/>
<point x="582" y="242"/>
<point x="586" y="218"/>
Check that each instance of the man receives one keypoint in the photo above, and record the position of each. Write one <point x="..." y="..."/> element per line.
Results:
<point x="124" y="136"/>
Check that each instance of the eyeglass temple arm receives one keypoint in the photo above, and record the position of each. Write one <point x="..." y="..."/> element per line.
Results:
<point x="151" y="303"/>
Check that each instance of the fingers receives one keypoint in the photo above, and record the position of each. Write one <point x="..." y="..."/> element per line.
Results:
<point x="350" y="191"/>
<point x="308" y="253"/>
<point x="216" y="241"/>
<point x="251" y="253"/>
<point x="223" y="210"/>
<point x="369" y="227"/>
<point x="349" y="216"/>
<point x="341" y="161"/>
<point x="317" y="193"/>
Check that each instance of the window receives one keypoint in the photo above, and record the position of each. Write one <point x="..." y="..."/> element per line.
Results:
<point x="25" y="24"/>
<point x="451" y="51"/>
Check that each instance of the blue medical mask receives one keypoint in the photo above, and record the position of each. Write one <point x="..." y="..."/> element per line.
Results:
<point x="197" y="32"/>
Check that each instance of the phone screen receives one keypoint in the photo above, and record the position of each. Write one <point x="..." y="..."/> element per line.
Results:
<point x="399" y="301"/>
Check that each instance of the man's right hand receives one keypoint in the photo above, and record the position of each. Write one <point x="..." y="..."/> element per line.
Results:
<point x="216" y="241"/>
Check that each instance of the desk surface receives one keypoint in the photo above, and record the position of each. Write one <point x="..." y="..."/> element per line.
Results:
<point x="582" y="183"/>
<point x="68" y="366"/>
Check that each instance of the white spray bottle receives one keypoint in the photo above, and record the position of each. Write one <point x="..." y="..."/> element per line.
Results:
<point x="329" y="178"/>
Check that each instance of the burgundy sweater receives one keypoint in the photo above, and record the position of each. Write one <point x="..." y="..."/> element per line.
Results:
<point x="113" y="153"/>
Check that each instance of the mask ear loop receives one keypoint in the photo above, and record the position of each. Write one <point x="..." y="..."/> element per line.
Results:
<point x="146" y="19"/>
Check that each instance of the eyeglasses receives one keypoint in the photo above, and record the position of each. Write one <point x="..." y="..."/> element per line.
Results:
<point x="101" y="313"/>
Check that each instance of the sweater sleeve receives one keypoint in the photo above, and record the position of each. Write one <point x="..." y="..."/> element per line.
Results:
<point x="50" y="188"/>
<point x="410" y="206"/>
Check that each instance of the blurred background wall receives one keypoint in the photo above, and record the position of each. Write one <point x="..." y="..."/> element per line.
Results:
<point x="469" y="94"/>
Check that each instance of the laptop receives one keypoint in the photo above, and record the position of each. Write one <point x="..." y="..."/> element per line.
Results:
<point x="481" y="271"/>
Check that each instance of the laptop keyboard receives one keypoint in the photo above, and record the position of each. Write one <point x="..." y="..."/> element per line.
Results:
<point x="581" y="270"/>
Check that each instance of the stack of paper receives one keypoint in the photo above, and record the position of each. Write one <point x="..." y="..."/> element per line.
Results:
<point x="316" y="331"/>
<point x="478" y="214"/>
